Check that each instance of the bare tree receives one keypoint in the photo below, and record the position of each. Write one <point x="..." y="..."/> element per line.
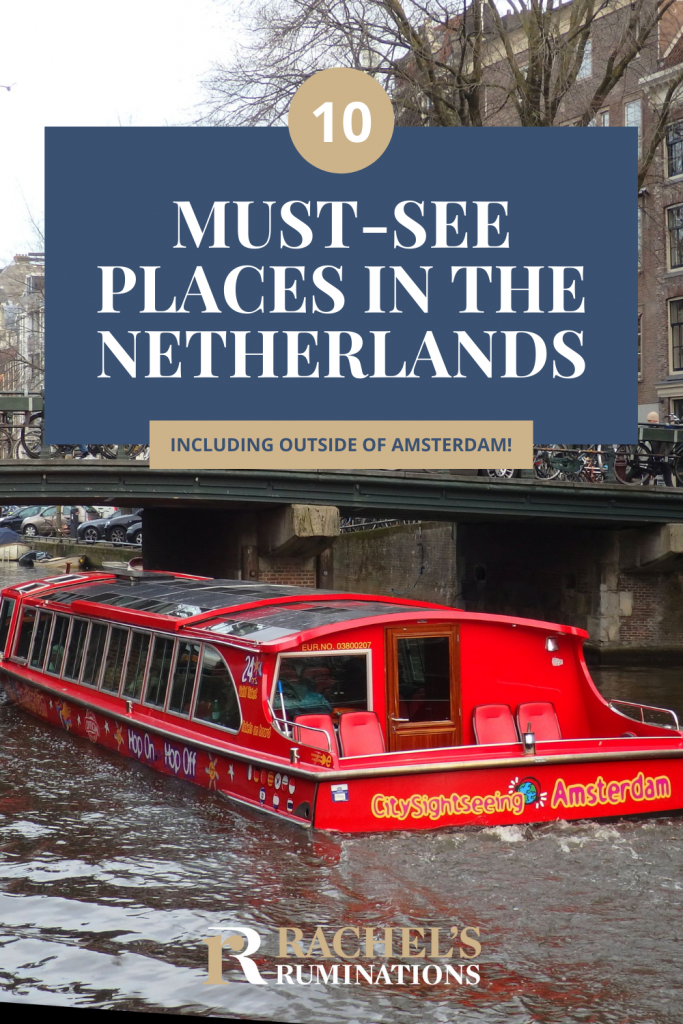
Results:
<point x="22" y="317"/>
<point x="458" y="64"/>
<point x="22" y="338"/>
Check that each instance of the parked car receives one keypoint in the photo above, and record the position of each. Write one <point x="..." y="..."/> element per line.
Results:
<point x="134" y="533"/>
<point x="111" y="527"/>
<point x="45" y="523"/>
<point x="117" y="530"/>
<point x="14" y="520"/>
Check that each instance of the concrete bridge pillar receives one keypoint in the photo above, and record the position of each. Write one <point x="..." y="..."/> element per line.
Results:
<point x="281" y="545"/>
<point x="612" y="603"/>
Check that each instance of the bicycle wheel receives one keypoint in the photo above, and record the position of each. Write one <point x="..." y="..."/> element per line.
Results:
<point x="677" y="463"/>
<point x="6" y="444"/>
<point x="570" y="462"/>
<point x="502" y="474"/>
<point x="31" y="439"/>
<point x="545" y="467"/>
<point x="108" y="450"/>
<point x="592" y="468"/>
<point x="137" y="451"/>
<point x="633" y="464"/>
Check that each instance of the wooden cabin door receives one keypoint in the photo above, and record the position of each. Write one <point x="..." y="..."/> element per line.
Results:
<point x="423" y="691"/>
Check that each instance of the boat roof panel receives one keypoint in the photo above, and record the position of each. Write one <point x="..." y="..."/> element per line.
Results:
<point x="275" y="622"/>
<point x="180" y="598"/>
<point x="177" y="598"/>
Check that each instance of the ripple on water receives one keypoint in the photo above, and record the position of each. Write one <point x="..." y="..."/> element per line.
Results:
<point x="110" y="876"/>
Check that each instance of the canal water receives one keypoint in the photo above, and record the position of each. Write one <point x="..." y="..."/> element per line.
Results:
<point x="111" y="876"/>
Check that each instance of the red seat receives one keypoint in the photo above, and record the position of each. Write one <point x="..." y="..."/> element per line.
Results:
<point x="360" y="733"/>
<point x="310" y="737"/>
<point x="493" y="723"/>
<point x="543" y="720"/>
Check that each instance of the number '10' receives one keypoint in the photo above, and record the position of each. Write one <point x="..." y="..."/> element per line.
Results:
<point x="349" y="110"/>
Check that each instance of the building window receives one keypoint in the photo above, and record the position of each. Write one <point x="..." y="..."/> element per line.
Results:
<point x="640" y="236"/>
<point x="677" y="407"/>
<point x="604" y="118"/>
<point x="676" y="321"/>
<point x="35" y="283"/>
<point x="674" y="149"/>
<point x="675" y="225"/>
<point x="640" y="346"/>
<point x="632" y="117"/>
<point x="586" y="69"/>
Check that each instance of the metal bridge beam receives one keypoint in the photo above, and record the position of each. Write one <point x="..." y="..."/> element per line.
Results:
<point x="399" y="493"/>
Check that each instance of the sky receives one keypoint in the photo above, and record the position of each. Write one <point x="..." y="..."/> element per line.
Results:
<point x="91" y="63"/>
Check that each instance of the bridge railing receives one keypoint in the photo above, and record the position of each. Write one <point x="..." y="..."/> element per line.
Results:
<point x="657" y="457"/>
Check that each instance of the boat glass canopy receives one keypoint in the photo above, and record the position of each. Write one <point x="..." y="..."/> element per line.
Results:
<point x="183" y="599"/>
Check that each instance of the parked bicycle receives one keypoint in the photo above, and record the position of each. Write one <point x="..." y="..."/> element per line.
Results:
<point x="565" y="462"/>
<point x="31" y="444"/>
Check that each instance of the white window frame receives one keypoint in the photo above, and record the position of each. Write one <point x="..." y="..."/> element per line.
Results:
<point x="586" y="68"/>
<point x="41" y="668"/>
<point x="676" y="298"/>
<point x="629" y="122"/>
<point x="671" y="177"/>
<point x="195" y="691"/>
<point x="115" y="625"/>
<point x="274" y="709"/>
<point x="179" y="714"/>
<point x="678" y="269"/>
<point x="95" y="685"/>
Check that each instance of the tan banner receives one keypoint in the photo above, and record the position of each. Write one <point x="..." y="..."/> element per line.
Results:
<point x="341" y="444"/>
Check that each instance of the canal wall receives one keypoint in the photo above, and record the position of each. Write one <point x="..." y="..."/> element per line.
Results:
<point x="418" y="561"/>
<point x="624" y="587"/>
<point x="95" y="554"/>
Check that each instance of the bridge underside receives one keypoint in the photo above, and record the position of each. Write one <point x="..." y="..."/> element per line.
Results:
<point x="608" y="558"/>
<point x="431" y="495"/>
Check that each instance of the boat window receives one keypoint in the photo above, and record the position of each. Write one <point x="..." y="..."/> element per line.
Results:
<point x="93" y="657"/>
<point x="40" y="639"/>
<point x="135" y="669"/>
<point x="424" y="678"/>
<point x="57" y="644"/>
<point x="5" y="619"/>
<point x="113" y="664"/>
<point x="25" y="633"/>
<point x="321" y="685"/>
<point x="159" y="666"/>
<point x="217" y="701"/>
<point x="74" y="654"/>
<point x="187" y="659"/>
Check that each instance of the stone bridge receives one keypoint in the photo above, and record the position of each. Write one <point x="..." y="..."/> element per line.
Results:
<point x="608" y="557"/>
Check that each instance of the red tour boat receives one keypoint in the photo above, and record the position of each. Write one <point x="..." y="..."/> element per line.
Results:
<point x="346" y="712"/>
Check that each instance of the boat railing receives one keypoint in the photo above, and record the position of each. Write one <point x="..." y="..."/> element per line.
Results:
<point x="641" y="709"/>
<point x="296" y="728"/>
<point x="290" y="729"/>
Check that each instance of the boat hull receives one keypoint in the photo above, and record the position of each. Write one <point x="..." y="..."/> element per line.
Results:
<point x="506" y="795"/>
<point x="13" y="552"/>
<point x="242" y="777"/>
<point x="517" y="790"/>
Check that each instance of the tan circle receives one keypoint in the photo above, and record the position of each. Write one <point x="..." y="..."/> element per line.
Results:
<point x="355" y="115"/>
<point x="235" y="942"/>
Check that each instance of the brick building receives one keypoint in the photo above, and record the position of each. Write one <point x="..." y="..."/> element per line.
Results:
<point x="506" y="83"/>
<point x="22" y="323"/>
<point x="637" y="101"/>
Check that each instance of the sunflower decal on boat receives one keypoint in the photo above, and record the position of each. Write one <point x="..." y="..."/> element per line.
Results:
<point x="531" y="790"/>
<point x="64" y="714"/>
<point x="212" y="772"/>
